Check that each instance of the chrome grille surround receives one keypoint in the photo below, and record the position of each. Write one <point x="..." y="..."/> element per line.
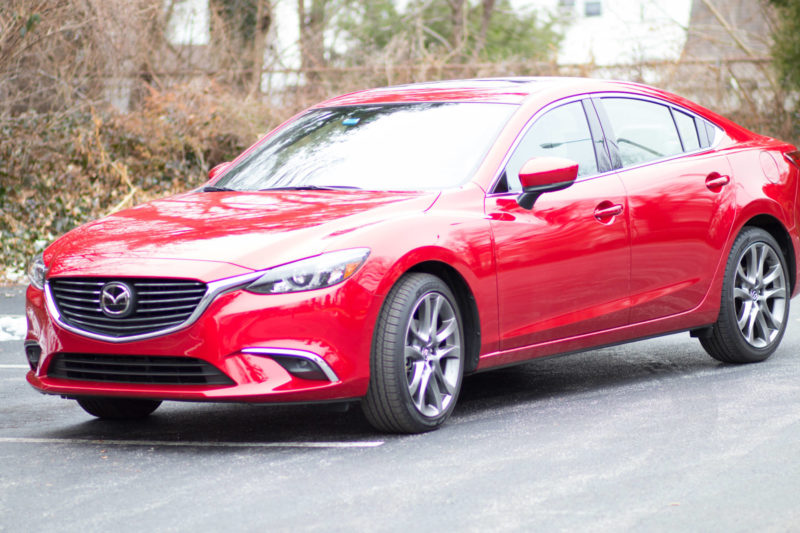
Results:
<point x="69" y="323"/>
<point x="159" y="304"/>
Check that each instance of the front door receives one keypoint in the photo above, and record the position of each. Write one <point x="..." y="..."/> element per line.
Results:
<point x="563" y="268"/>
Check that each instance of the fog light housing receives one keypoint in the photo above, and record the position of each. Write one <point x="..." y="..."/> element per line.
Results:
<point x="33" y="352"/>
<point x="300" y="368"/>
<point x="299" y="363"/>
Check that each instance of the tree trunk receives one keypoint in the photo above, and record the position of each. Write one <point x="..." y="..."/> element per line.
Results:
<point x="458" y="9"/>
<point x="486" y="17"/>
<point x="312" y="42"/>
<point x="263" y="22"/>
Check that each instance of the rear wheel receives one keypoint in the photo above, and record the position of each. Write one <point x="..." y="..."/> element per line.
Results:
<point x="755" y="301"/>
<point x="417" y="359"/>
<point x="118" y="408"/>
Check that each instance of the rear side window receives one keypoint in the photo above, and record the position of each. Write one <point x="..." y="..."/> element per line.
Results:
<point x="688" y="130"/>
<point x="643" y="131"/>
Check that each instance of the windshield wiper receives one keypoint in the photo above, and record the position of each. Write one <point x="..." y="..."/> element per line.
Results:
<point x="311" y="188"/>
<point x="214" y="188"/>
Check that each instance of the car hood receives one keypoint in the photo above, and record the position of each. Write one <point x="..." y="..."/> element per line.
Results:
<point x="219" y="234"/>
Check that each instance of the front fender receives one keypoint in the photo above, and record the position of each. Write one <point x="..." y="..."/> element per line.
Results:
<point x="454" y="233"/>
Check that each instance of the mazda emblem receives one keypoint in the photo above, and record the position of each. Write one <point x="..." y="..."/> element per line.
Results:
<point x="116" y="299"/>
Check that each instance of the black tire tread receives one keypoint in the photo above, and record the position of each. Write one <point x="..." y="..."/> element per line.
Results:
<point x="118" y="408"/>
<point x="385" y="404"/>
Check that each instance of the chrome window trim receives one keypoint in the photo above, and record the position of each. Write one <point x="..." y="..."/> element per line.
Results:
<point x="213" y="290"/>
<point x="301" y="354"/>
<point x="577" y="98"/>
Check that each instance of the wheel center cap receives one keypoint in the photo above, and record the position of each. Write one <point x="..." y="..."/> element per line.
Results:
<point x="754" y="295"/>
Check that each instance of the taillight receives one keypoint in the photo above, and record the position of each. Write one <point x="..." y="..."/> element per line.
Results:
<point x="793" y="158"/>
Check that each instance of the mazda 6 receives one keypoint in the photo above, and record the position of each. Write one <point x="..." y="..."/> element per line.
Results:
<point x="381" y="245"/>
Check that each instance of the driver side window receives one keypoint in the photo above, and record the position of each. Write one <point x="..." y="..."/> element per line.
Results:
<point x="561" y="132"/>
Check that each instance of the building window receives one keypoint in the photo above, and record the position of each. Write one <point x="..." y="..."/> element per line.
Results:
<point x="566" y="5"/>
<point x="593" y="9"/>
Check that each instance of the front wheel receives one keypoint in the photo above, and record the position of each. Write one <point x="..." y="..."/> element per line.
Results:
<point x="417" y="359"/>
<point x="118" y="408"/>
<point x="755" y="301"/>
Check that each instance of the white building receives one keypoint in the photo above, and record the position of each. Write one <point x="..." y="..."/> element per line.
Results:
<point x="188" y="22"/>
<point x="612" y="32"/>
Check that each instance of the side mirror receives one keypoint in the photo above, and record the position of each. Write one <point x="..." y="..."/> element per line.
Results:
<point x="217" y="170"/>
<point x="544" y="174"/>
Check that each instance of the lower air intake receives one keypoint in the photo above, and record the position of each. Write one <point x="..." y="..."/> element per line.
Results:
<point x="143" y="369"/>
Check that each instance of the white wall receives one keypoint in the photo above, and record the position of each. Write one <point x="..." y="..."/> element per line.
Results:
<point x="189" y="23"/>
<point x="627" y="30"/>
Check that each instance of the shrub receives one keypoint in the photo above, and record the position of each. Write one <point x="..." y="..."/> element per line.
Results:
<point x="59" y="170"/>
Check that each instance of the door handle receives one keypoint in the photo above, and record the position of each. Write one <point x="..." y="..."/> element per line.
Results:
<point x="716" y="181"/>
<point x="607" y="210"/>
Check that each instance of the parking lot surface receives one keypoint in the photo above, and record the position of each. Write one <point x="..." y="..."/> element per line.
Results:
<point x="650" y="436"/>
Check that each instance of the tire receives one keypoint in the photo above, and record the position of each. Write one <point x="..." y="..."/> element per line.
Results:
<point x="415" y="377"/>
<point x="118" y="408"/>
<point x="754" y="308"/>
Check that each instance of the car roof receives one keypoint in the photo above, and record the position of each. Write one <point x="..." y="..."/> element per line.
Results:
<point x="509" y="90"/>
<point x="529" y="92"/>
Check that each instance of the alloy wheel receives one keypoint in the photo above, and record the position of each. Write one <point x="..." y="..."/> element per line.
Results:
<point x="432" y="354"/>
<point x="759" y="294"/>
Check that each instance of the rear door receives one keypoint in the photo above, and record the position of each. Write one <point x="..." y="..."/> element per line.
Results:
<point x="680" y="201"/>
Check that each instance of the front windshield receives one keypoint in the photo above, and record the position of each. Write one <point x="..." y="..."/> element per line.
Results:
<point x="377" y="147"/>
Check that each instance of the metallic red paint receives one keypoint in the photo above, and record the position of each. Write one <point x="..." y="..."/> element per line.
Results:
<point x="540" y="269"/>
<point x="626" y="254"/>
<point x="543" y="171"/>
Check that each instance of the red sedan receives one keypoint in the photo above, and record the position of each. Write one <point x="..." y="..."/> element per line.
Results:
<point x="382" y="244"/>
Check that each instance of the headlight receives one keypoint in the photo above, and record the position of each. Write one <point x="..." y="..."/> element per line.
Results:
<point x="312" y="273"/>
<point x="36" y="271"/>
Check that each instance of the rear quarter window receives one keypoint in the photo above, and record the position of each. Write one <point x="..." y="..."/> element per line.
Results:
<point x="687" y="127"/>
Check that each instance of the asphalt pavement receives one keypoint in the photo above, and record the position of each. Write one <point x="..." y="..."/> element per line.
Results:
<point x="650" y="436"/>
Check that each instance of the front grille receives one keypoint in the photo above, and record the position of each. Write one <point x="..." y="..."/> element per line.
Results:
<point x="158" y="304"/>
<point x="145" y="369"/>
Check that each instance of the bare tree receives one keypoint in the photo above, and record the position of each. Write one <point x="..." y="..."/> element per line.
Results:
<point x="55" y="54"/>
<point x="312" y="16"/>
<point x="263" y="22"/>
<point x="459" y="10"/>
<point x="487" y="10"/>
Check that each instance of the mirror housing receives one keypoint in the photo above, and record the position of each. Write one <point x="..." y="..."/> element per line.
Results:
<point x="544" y="174"/>
<point x="217" y="170"/>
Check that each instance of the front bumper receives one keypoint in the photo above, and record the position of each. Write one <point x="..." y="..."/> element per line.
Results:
<point x="243" y="335"/>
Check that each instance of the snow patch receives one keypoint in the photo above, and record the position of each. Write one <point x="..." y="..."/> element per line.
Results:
<point x="12" y="328"/>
